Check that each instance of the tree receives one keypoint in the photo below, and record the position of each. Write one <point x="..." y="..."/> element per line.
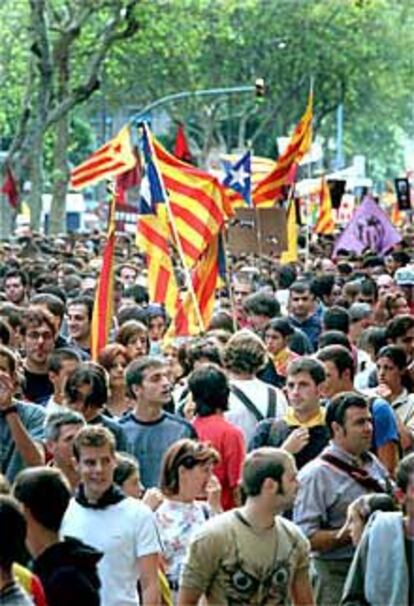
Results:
<point x="69" y="42"/>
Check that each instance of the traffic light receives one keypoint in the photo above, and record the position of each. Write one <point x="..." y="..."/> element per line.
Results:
<point x="260" y="89"/>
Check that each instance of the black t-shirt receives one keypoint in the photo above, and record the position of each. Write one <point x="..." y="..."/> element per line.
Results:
<point x="37" y="388"/>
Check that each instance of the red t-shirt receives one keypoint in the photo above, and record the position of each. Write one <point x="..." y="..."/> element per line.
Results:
<point x="228" y="440"/>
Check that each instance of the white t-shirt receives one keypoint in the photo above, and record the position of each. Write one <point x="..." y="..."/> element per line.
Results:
<point x="123" y="532"/>
<point x="258" y="392"/>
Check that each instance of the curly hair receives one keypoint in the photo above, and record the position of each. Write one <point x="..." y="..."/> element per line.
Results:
<point x="244" y="352"/>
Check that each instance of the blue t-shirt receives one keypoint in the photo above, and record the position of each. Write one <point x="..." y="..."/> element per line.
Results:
<point x="149" y="440"/>
<point x="384" y="423"/>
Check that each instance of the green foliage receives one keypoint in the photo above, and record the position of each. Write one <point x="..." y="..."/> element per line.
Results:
<point x="358" y="53"/>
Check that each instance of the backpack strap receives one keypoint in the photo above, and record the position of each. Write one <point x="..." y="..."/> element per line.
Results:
<point x="360" y="475"/>
<point x="247" y="402"/>
<point x="272" y="402"/>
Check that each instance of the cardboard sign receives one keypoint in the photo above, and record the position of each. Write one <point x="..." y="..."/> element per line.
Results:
<point x="242" y="232"/>
<point x="261" y="231"/>
<point x="272" y="231"/>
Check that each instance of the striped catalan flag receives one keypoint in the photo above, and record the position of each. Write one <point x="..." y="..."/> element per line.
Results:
<point x="153" y="232"/>
<point x="115" y="157"/>
<point x="205" y="278"/>
<point x="104" y="296"/>
<point x="325" y="223"/>
<point x="198" y="203"/>
<point x="270" y="188"/>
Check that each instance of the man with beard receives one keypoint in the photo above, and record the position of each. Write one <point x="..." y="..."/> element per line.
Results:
<point x="252" y="555"/>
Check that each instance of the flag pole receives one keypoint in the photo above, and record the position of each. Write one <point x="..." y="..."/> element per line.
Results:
<point x="177" y="241"/>
<point x="307" y="232"/>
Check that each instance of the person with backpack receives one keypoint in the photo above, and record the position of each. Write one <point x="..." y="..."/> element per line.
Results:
<point x="302" y="431"/>
<point x="251" y="400"/>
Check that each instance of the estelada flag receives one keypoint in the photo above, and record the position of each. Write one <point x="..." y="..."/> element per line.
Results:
<point x="270" y="188"/>
<point x="181" y="147"/>
<point x="113" y="158"/>
<point x="10" y="189"/>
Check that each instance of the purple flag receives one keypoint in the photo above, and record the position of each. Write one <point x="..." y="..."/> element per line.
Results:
<point x="369" y="228"/>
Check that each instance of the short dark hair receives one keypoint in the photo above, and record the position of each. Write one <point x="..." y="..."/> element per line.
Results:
<point x="84" y="300"/>
<point x="58" y="356"/>
<point x="309" y="365"/>
<point x="322" y="286"/>
<point x="35" y="316"/>
<point x="405" y="472"/>
<point x="396" y="354"/>
<point x="203" y="349"/>
<point x="336" y="318"/>
<point x="138" y="293"/>
<point x="126" y="466"/>
<point x="368" y="287"/>
<point x="280" y="325"/>
<point x="373" y="336"/>
<point x="300" y="286"/>
<point x="336" y="410"/>
<point x="45" y="492"/>
<point x="340" y="356"/>
<point x="17" y="273"/>
<point x="398" y="326"/>
<point x="92" y="374"/>
<point x="53" y="303"/>
<point x="260" y="464"/>
<point x="262" y="304"/>
<point x="4" y="333"/>
<point x="210" y="389"/>
<point x="136" y="369"/>
<point x="334" y="337"/>
<point x="12" y="532"/>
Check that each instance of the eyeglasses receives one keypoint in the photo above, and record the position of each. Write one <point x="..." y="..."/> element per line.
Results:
<point x="36" y="336"/>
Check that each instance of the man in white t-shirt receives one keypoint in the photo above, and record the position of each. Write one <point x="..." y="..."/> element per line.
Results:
<point x="251" y="400"/>
<point x="122" y="528"/>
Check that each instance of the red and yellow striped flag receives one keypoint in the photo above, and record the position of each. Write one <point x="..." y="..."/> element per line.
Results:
<point x="198" y="203"/>
<point x="104" y="296"/>
<point x="113" y="158"/>
<point x="153" y="240"/>
<point x="205" y="278"/>
<point x="325" y="223"/>
<point x="270" y="188"/>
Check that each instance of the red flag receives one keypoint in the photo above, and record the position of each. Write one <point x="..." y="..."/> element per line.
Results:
<point x="127" y="180"/>
<point x="10" y="188"/>
<point x="181" y="148"/>
<point x="103" y="304"/>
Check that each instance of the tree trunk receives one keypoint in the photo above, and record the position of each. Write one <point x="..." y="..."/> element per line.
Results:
<point x="60" y="178"/>
<point x="6" y="218"/>
<point x="36" y="180"/>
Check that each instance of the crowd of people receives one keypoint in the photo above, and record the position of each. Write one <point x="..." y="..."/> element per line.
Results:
<point x="269" y="460"/>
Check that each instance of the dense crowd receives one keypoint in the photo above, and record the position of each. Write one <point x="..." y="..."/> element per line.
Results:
<point x="269" y="460"/>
